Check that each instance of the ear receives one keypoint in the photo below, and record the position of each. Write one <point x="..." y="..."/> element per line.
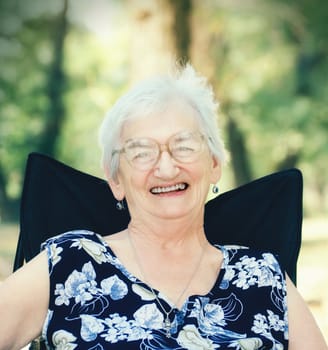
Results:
<point x="215" y="170"/>
<point x="116" y="186"/>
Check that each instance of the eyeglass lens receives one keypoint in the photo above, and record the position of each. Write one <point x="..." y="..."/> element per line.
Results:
<point x="144" y="152"/>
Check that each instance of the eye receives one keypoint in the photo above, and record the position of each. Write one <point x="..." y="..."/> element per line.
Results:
<point x="140" y="150"/>
<point x="142" y="153"/>
<point x="185" y="145"/>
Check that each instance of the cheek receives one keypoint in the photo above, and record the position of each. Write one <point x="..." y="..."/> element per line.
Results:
<point x="203" y="170"/>
<point x="134" y="183"/>
<point x="213" y="169"/>
<point x="200" y="177"/>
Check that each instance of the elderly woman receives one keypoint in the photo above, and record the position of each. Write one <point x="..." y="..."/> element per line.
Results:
<point x="158" y="284"/>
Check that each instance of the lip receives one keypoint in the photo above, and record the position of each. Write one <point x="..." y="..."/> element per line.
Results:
<point x="169" y="189"/>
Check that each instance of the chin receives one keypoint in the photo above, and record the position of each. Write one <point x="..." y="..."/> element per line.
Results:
<point x="174" y="213"/>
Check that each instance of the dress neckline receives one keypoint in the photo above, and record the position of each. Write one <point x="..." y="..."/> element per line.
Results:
<point x="132" y="278"/>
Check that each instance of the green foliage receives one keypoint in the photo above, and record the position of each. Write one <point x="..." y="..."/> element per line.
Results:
<point x="270" y="66"/>
<point x="267" y="60"/>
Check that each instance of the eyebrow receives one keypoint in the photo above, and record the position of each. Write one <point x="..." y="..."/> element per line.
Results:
<point x="137" y="141"/>
<point x="179" y="133"/>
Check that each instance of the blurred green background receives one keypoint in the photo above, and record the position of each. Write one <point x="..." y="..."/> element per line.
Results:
<point x="64" y="62"/>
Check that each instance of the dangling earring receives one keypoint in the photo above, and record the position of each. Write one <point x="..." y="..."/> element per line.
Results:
<point x="120" y="205"/>
<point x="215" y="189"/>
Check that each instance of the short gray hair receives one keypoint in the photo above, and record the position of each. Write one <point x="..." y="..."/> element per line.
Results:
<point x="151" y="96"/>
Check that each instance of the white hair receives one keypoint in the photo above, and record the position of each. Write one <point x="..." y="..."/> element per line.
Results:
<point x="153" y="95"/>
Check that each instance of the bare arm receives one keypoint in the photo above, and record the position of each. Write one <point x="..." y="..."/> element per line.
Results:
<point x="24" y="298"/>
<point x="304" y="334"/>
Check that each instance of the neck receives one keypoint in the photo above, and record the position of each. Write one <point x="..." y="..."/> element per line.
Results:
<point x="179" y="297"/>
<point x="168" y="232"/>
<point x="168" y="235"/>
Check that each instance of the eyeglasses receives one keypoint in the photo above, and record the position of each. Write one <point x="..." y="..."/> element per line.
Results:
<point x="143" y="153"/>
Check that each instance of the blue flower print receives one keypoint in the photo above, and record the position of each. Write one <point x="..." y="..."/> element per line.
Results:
<point x="228" y="276"/>
<point x="119" y="328"/>
<point x="213" y="316"/>
<point x="54" y="253"/>
<point x="90" y="327"/>
<point x="64" y="340"/>
<point x="93" y="293"/>
<point x="261" y="325"/>
<point x="249" y="271"/>
<point x="265" y="325"/>
<point x="148" y="316"/>
<point x="62" y="298"/>
<point x="81" y="285"/>
<point x="275" y="323"/>
<point x="114" y="287"/>
<point x="96" y="250"/>
<point x="190" y="338"/>
<point x="246" y="344"/>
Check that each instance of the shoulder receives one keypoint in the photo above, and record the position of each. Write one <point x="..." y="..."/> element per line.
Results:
<point x="248" y="269"/>
<point x="74" y="239"/>
<point x="73" y="246"/>
<point x="71" y="236"/>
<point x="246" y="256"/>
<point x="240" y="250"/>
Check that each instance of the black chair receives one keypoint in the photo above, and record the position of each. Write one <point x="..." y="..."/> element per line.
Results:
<point x="265" y="213"/>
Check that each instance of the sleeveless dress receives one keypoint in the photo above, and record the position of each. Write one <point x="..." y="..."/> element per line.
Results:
<point x="95" y="303"/>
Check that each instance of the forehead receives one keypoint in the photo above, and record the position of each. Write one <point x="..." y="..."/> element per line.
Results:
<point x="160" y="125"/>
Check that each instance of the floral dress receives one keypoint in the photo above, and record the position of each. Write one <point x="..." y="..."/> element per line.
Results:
<point x="95" y="303"/>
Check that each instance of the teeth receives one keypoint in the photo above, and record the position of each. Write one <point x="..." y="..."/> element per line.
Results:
<point x="176" y="187"/>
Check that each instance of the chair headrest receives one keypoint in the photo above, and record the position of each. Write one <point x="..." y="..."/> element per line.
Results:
<point x="265" y="213"/>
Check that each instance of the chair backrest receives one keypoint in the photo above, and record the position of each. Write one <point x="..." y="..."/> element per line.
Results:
<point x="265" y="213"/>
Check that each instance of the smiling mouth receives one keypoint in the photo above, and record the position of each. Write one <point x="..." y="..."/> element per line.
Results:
<point x="168" y="189"/>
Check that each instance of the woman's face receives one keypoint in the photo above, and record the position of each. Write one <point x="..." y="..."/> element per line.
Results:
<point x="169" y="188"/>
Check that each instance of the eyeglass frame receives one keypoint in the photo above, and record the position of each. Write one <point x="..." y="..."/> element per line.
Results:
<point x="161" y="147"/>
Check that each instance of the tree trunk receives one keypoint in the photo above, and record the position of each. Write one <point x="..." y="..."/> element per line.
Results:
<point x="160" y="35"/>
<point x="8" y="206"/>
<point x="237" y="146"/>
<point x="181" y="32"/>
<point x="3" y="194"/>
<point x="55" y="88"/>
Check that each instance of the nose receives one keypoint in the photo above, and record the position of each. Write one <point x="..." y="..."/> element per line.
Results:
<point x="166" y="167"/>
